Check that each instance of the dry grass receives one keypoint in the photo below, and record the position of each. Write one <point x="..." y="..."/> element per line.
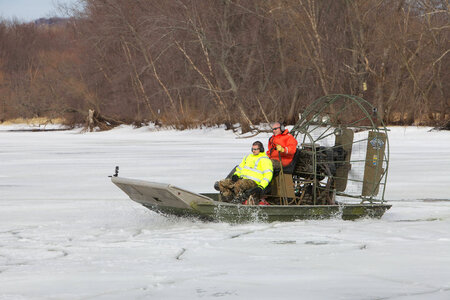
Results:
<point x="34" y="121"/>
<point x="397" y="118"/>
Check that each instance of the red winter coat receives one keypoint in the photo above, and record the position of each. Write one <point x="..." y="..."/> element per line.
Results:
<point x="285" y="140"/>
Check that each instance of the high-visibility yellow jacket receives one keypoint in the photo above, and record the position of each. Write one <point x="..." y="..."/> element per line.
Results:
<point x="257" y="168"/>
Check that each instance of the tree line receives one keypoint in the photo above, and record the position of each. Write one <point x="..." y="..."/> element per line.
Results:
<point x="186" y="63"/>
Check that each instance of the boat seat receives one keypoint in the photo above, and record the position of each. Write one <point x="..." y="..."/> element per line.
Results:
<point x="289" y="169"/>
<point x="232" y="172"/>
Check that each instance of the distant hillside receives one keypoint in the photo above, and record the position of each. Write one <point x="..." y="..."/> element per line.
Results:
<point x="51" y="21"/>
<point x="191" y="63"/>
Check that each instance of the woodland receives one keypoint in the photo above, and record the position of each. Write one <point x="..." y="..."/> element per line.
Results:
<point x="190" y="63"/>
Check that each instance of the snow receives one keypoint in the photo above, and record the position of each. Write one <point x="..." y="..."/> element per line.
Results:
<point x="66" y="232"/>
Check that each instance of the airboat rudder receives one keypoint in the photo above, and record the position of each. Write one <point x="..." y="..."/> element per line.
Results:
<point x="344" y="151"/>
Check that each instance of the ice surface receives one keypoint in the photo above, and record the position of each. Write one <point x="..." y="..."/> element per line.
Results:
<point x="66" y="232"/>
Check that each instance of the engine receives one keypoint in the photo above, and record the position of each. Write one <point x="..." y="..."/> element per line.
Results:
<point x="328" y="159"/>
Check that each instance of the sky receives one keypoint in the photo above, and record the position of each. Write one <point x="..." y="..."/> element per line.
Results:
<point x="30" y="10"/>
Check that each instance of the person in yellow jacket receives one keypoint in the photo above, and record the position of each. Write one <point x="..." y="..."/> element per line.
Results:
<point x="251" y="177"/>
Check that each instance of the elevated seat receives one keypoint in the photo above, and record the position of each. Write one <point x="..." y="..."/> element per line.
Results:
<point x="289" y="169"/>
<point x="281" y="186"/>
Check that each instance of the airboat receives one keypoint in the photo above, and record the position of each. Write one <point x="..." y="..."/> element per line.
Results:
<point x="339" y="170"/>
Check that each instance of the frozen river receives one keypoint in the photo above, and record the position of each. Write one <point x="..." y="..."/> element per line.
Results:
<point x="66" y="232"/>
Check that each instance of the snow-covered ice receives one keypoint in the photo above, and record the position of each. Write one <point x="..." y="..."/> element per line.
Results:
<point x="66" y="232"/>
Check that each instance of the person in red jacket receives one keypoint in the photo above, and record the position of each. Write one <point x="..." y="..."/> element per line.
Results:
<point x="283" y="144"/>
